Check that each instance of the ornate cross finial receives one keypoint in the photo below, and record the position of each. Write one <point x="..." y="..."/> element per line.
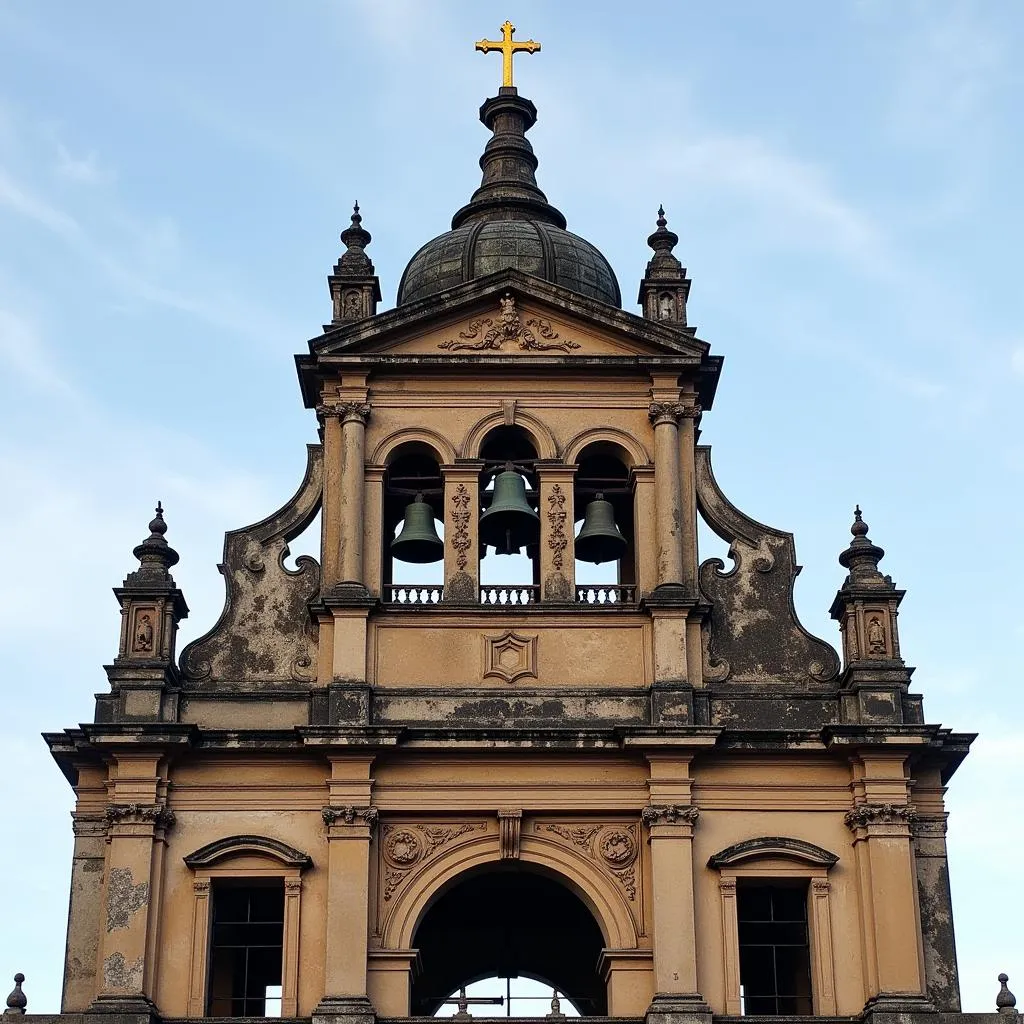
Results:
<point x="508" y="47"/>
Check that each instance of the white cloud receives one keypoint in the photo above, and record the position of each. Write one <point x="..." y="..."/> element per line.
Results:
<point x="82" y="170"/>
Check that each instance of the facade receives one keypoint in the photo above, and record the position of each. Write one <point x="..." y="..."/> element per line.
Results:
<point x="661" y="796"/>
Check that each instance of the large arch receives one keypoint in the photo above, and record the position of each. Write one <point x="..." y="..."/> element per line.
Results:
<point x="635" y="454"/>
<point x="441" y="446"/>
<point x="580" y="874"/>
<point x="508" y="919"/>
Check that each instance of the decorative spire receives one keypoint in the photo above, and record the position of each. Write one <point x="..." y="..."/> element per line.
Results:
<point x="356" y="239"/>
<point x="508" y="190"/>
<point x="862" y="556"/>
<point x="355" y="288"/>
<point x="155" y="554"/>
<point x="665" y="287"/>
<point x="1006" y="1001"/>
<point x="16" y="1001"/>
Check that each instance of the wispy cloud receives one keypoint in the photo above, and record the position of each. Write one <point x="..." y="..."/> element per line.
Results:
<point x="84" y="170"/>
<point x="23" y="353"/>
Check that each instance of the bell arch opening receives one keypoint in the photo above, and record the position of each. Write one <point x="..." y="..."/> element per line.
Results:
<point x="509" y="922"/>
<point x="412" y="519"/>
<point x="605" y="521"/>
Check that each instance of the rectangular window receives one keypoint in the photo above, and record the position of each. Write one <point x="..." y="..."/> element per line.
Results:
<point x="775" y="963"/>
<point x="246" y="949"/>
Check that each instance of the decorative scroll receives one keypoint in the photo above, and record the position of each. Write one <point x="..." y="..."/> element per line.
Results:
<point x="754" y="636"/>
<point x="556" y="586"/>
<point x="265" y="633"/>
<point x="509" y="327"/>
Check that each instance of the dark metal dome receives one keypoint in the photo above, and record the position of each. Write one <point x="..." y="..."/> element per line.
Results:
<point x="536" y="248"/>
<point x="509" y="223"/>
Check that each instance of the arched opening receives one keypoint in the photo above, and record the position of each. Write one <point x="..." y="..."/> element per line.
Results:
<point x="509" y="922"/>
<point x="412" y="519"/>
<point x="604" y="503"/>
<point x="509" y="543"/>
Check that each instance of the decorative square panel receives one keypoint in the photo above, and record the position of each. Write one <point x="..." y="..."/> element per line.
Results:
<point x="510" y="656"/>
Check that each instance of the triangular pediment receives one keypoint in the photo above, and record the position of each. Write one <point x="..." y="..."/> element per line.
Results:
<point x="510" y="314"/>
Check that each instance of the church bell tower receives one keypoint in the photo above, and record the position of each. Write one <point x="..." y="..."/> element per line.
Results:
<point x="509" y="724"/>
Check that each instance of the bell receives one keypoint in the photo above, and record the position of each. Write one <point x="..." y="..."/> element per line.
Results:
<point x="509" y="523"/>
<point x="418" y="542"/>
<point x="600" y="540"/>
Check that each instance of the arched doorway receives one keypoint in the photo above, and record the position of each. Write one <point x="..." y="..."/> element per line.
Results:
<point x="509" y="922"/>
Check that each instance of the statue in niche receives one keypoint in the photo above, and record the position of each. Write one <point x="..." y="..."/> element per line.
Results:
<point x="144" y="633"/>
<point x="876" y="635"/>
<point x="666" y="308"/>
<point x="351" y="304"/>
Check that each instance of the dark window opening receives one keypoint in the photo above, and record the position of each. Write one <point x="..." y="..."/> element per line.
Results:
<point x="775" y="962"/>
<point x="246" y="949"/>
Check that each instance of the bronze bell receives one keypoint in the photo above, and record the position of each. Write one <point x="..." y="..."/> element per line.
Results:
<point x="509" y="523"/>
<point x="600" y="540"/>
<point x="418" y="542"/>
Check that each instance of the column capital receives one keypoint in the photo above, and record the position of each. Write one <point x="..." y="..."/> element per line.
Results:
<point x="864" y="816"/>
<point x="153" y="816"/>
<point x="669" y="814"/>
<point x="362" y="816"/>
<point x="666" y="412"/>
<point x="347" y="412"/>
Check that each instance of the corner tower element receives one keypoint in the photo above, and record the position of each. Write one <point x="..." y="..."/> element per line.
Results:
<point x="866" y="610"/>
<point x="665" y="287"/>
<point x="151" y="608"/>
<point x="355" y="288"/>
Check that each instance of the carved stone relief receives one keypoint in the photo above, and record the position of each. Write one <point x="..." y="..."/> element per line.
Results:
<point x="406" y="847"/>
<point x="556" y="586"/>
<point x="509" y="327"/>
<point x="613" y="847"/>
<point x="460" y="586"/>
<point x="510" y="656"/>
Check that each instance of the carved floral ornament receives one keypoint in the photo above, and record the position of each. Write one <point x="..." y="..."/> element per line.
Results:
<point x="672" y="412"/>
<point x="508" y="327"/>
<point x="406" y="846"/>
<point x="614" y="847"/>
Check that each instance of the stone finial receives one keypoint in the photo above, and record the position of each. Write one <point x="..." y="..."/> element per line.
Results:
<point x="356" y="238"/>
<point x="1006" y="1001"/>
<point x="155" y="554"/>
<point x="861" y="558"/>
<point x="16" y="1001"/>
<point x="663" y="242"/>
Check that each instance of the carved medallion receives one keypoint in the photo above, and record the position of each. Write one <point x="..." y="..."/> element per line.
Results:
<point x="402" y="847"/>
<point x="614" y="847"/>
<point x="406" y="846"/>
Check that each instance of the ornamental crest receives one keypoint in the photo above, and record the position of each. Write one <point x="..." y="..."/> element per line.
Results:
<point x="508" y="327"/>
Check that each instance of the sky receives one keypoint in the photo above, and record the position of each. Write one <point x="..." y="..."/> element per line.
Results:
<point x="844" y="178"/>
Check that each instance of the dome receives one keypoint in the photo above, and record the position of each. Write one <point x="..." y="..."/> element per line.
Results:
<point x="543" y="250"/>
<point x="508" y="223"/>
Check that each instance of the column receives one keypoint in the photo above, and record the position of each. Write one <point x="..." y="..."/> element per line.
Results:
<point x="353" y="460"/>
<point x="557" y="540"/>
<point x="665" y="416"/>
<point x="688" y="492"/>
<point x="462" y="532"/>
<point x="86" y="909"/>
<point x="670" y="818"/>
<point x="330" y="537"/>
<point x="883" y="846"/>
<point x="350" y="821"/>
<point x="137" y="826"/>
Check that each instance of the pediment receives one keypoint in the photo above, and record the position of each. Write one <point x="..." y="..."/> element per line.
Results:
<point x="509" y="315"/>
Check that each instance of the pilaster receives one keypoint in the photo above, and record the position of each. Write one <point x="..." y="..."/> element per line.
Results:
<point x="557" y="541"/>
<point x="461" y="532"/>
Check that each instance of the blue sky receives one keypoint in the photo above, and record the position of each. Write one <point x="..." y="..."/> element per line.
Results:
<point x="844" y="177"/>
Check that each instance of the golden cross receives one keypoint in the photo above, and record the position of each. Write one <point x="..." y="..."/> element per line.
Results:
<point x="508" y="47"/>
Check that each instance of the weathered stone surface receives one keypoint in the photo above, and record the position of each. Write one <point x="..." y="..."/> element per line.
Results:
<point x="754" y="637"/>
<point x="265" y="633"/>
